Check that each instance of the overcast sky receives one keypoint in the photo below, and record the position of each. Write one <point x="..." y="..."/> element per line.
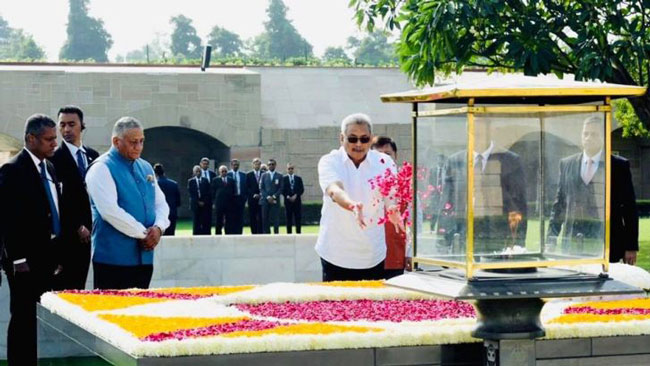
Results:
<point x="134" y="23"/>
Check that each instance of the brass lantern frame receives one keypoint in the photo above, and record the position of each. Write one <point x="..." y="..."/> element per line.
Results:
<point x="538" y="96"/>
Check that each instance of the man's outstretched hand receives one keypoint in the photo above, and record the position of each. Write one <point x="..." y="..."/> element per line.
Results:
<point x="357" y="211"/>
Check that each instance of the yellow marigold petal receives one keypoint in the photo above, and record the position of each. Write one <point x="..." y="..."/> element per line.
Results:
<point x="207" y="291"/>
<point x="93" y="302"/>
<point x="616" y="304"/>
<point x="142" y="326"/>
<point x="595" y="318"/>
<point x="366" y="284"/>
<point x="305" y="328"/>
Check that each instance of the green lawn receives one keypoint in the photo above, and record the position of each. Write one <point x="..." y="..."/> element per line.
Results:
<point x="184" y="227"/>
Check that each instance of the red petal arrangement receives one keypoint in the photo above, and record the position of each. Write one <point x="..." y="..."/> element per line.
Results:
<point x="213" y="330"/>
<point x="370" y="310"/>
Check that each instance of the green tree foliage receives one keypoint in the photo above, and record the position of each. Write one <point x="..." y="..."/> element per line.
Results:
<point x="17" y="46"/>
<point x="628" y="120"/>
<point x="592" y="39"/>
<point x="87" y="38"/>
<point x="373" y="49"/>
<point x="333" y="54"/>
<point x="185" y="41"/>
<point x="280" y="39"/>
<point x="224" y="42"/>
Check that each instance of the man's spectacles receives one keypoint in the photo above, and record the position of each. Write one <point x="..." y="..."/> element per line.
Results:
<point x="354" y="139"/>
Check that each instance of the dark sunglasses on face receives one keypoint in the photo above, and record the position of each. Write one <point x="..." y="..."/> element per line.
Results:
<point x="354" y="139"/>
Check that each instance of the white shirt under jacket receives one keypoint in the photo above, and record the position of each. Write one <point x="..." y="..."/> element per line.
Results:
<point x="340" y="239"/>
<point x="103" y="192"/>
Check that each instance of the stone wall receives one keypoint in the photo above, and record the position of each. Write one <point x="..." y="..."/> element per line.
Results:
<point x="304" y="147"/>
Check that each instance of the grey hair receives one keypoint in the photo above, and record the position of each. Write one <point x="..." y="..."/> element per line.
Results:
<point x="592" y="120"/>
<point x="222" y="166"/>
<point x="124" y="124"/>
<point x="195" y="168"/>
<point x="358" y="119"/>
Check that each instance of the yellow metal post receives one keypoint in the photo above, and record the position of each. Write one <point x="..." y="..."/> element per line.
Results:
<point x="608" y="179"/>
<point x="470" y="193"/>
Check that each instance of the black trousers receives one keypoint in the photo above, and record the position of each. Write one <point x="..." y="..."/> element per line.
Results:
<point x="237" y="215"/>
<point x="202" y="220"/>
<point x="171" y="230"/>
<point x="223" y="220"/>
<point x="112" y="277"/>
<point x="255" y="216"/>
<point x="332" y="272"/>
<point x="76" y="262"/>
<point x="25" y="290"/>
<point x="294" y="214"/>
<point x="271" y="216"/>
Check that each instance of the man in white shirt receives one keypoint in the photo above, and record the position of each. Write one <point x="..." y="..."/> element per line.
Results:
<point x="350" y="242"/>
<point x="130" y="212"/>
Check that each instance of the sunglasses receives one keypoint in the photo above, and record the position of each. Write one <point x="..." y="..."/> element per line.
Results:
<point x="354" y="139"/>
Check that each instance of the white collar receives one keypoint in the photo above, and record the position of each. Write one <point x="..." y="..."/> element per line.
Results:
<point x="595" y="158"/>
<point x="36" y="160"/>
<point x="346" y="158"/>
<point x="73" y="149"/>
<point x="486" y="154"/>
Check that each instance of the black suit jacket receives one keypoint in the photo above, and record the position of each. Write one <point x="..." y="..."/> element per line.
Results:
<point x="223" y="194"/>
<point x="27" y="224"/>
<point x="243" y="182"/>
<point x="298" y="187"/>
<point x="75" y="204"/>
<point x="169" y="187"/>
<point x="503" y="176"/>
<point x="202" y="193"/>
<point x="578" y="207"/>
<point x="252" y="186"/>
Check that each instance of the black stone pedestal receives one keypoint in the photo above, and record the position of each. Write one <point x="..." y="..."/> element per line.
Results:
<point x="509" y="318"/>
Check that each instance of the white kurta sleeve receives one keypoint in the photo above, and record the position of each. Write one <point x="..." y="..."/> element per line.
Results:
<point x="162" y="209"/>
<point x="103" y="193"/>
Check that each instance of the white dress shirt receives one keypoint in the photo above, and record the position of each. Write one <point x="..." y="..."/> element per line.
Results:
<point x="340" y="239"/>
<point x="484" y="156"/>
<point x="73" y="151"/>
<point x="55" y="196"/>
<point x="103" y="193"/>
<point x="585" y="160"/>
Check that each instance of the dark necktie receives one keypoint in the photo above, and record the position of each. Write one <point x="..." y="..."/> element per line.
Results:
<point x="81" y="164"/>
<point x="291" y="181"/>
<point x="56" y="225"/>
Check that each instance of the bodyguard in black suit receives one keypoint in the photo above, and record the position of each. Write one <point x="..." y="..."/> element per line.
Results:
<point x="30" y="195"/>
<point x="71" y="160"/>
<point x="223" y="196"/>
<point x="169" y="187"/>
<point x="253" y="179"/>
<point x="580" y="199"/>
<point x="200" y="202"/>
<point x="292" y="190"/>
<point x="239" y="201"/>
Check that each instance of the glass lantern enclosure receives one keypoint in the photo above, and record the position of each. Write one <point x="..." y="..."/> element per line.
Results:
<point x="512" y="173"/>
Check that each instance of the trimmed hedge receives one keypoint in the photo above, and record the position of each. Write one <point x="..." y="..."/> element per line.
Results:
<point x="310" y="213"/>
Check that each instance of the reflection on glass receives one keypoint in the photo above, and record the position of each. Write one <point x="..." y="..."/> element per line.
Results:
<point x="579" y="207"/>
<point x="523" y="209"/>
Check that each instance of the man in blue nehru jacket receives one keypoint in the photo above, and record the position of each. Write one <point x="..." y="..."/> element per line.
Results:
<point x="129" y="211"/>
